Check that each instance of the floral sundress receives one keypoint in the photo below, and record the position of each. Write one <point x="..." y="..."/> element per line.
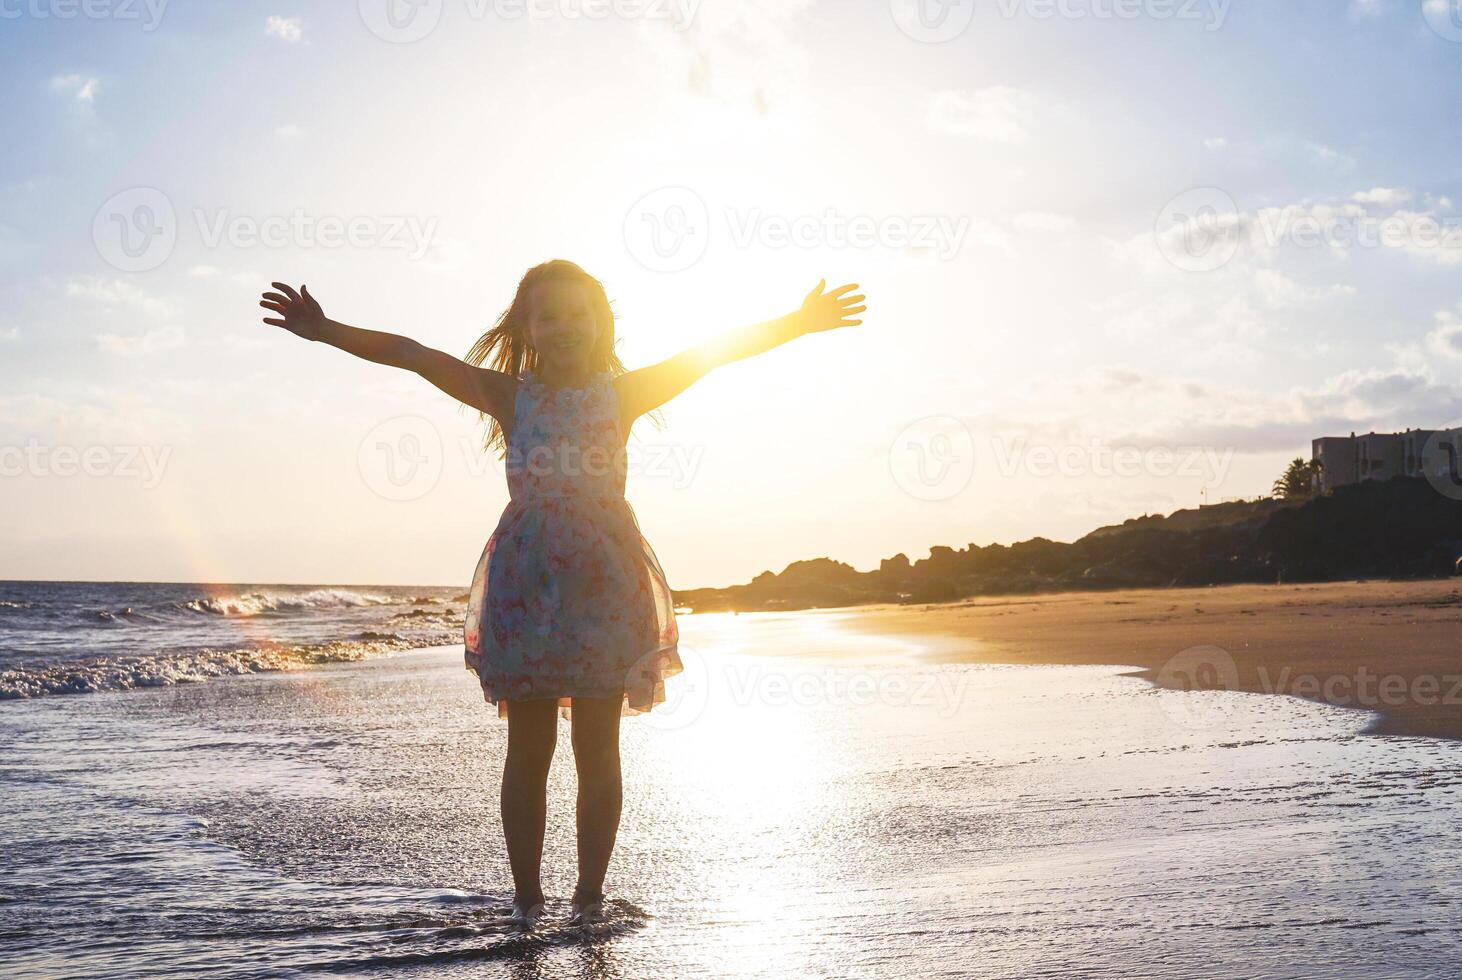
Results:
<point x="568" y="599"/>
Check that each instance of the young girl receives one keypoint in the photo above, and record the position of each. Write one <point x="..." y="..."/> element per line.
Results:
<point x="569" y="608"/>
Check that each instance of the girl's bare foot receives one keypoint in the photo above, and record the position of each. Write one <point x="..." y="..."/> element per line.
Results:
<point x="526" y="912"/>
<point x="587" y="907"/>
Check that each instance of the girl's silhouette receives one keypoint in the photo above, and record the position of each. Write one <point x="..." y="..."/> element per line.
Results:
<point x="569" y="608"/>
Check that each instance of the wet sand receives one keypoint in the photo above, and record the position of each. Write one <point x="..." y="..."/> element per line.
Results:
<point x="1390" y="647"/>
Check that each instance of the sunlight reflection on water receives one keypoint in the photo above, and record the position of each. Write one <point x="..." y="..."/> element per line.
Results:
<point x="876" y="813"/>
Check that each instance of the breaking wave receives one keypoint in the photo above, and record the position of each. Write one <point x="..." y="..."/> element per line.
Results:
<point x="183" y="667"/>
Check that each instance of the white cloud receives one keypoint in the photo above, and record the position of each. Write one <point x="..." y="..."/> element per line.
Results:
<point x="79" y="410"/>
<point x="203" y="271"/>
<point x="120" y="294"/>
<point x="1387" y="196"/>
<point x="10" y="333"/>
<point x="79" y="87"/>
<point x="288" y="29"/>
<point x="1330" y="157"/>
<point x="1446" y="339"/>
<point x="1278" y="291"/>
<point x="748" y="54"/>
<point x="151" y="341"/>
<point x="289" y="131"/>
<point x="1043" y="221"/>
<point x="1215" y="143"/>
<point x="1341" y="229"/>
<point x="1365" y="9"/>
<point x="1117" y="406"/>
<point x="999" y="114"/>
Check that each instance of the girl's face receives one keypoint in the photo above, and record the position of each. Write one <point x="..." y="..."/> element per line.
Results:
<point x="562" y="327"/>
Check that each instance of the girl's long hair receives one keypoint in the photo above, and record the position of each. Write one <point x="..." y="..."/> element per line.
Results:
<point x="505" y="347"/>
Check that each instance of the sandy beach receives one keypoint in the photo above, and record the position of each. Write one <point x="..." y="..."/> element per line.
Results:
<point x="1390" y="647"/>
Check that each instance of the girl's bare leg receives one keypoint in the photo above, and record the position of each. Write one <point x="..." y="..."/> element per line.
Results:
<point x="532" y="734"/>
<point x="596" y="756"/>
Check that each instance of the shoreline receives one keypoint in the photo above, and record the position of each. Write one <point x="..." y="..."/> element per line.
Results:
<point x="1389" y="647"/>
<point x="1394" y="648"/>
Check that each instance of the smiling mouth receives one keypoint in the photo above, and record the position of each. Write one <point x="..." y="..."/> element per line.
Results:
<point x="568" y="344"/>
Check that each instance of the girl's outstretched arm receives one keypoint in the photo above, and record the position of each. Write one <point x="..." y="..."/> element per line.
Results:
<point x="648" y="388"/>
<point x="483" y="389"/>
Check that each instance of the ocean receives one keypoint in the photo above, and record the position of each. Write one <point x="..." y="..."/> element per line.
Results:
<point x="810" y="802"/>
<point x="83" y="637"/>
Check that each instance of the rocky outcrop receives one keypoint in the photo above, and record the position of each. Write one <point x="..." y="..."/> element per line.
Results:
<point x="1402" y="528"/>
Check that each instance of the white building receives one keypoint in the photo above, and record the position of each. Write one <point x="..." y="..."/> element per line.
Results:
<point x="1436" y="454"/>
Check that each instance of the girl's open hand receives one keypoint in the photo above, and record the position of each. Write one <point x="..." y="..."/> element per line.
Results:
<point x="299" y="313"/>
<point x="829" y="310"/>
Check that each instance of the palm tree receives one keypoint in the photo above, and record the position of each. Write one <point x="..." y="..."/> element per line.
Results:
<point x="1298" y="479"/>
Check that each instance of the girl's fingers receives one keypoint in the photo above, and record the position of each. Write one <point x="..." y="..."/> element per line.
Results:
<point x="843" y="289"/>
<point x="276" y="307"/>
<point x="277" y="323"/>
<point x="287" y="290"/>
<point x="276" y="298"/>
<point x="855" y="299"/>
<point x="855" y="310"/>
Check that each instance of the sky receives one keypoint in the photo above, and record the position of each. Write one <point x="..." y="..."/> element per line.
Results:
<point x="1122" y="257"/>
